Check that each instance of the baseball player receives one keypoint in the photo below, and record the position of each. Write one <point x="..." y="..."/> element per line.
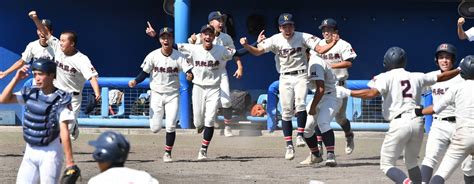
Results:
<point x="401" y="93"/>
<point x="74" y="68"/>
<point x="216" y="20"/>
<point x="321" y="110"/>
<point x="444" y="122"/>
<point x="110" y="153"/>
<point x="340" y="58"/>
<point x="462" y="145"/>
<point x="469" y="34"/>
<point x="163" y="66"/>
<point x="38" y="49"/>
<point x="45" y="126"/>
<point x="290" y="48"/>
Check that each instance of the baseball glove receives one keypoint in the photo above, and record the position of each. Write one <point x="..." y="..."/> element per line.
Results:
<point x="91" y="103"/>
<point x="70" y="175"/>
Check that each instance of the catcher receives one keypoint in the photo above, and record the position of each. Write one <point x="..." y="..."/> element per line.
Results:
<point x="111" y="151"/>
<point x="45" y="126"/>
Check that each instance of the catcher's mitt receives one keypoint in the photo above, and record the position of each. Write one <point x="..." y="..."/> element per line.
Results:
<point x="70" y="175"/>
<point x="91" y="103"/>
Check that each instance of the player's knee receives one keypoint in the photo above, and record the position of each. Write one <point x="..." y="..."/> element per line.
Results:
<point x="308" y="133"/>
<point x="385" y="168"/>
<point x="324" y="127"/>
<point x="341" y="120"/>
<point x="286" y="118"/>
<point x="429" y="162"/>
<point x="170" y="129"/>
<point x="155" y="128"/>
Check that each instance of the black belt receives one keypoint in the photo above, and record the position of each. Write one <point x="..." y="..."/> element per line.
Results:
<point x="451" y="118"/>
<point x="341" y="83"/>
<point x="75" y="93"/>
<point x="399" y="116"/>
<point x="294" y="72"/>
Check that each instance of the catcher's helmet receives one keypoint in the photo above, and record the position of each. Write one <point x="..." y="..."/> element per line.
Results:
<point x="467" y="67"/>
<point x="446" y="47"/>
<point x="395" y="57"/>
<point x="44" y="65"/>
<point x="110" y="147"/>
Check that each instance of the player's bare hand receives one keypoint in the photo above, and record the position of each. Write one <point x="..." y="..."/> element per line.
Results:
<point x="461" y="21"/>
<point x="22" y="73"/>
<point x="2" y="75"/>
<point x="261" y="36"/>
<point x="312" y="111"/>
<point x="97" y="97"/>
<point x="238" y="73"/>
<point x="132" y="83"/>
<point x="243" y="41"/>
<point x="193" y="38"/>
<point x="149" y="30"/>
<point x="189" y="76"/>
<point x="335" y="37"/>
<point x="32" y="14"/>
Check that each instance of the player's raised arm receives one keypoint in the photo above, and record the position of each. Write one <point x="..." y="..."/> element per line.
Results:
<point x="149" y="30"/>
<point x="363" y="93"/>
<point x="256" y="51"/>
<point x="7" y="94"/>
<point x="34" y="16"/>
<point x="444" y="76"/>
<point x="461" y="34"/>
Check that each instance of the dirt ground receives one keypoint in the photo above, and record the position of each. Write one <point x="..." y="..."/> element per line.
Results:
<point x="252" y="159"/>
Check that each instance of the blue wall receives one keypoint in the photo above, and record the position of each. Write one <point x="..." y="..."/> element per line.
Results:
<point x="112" y="33"/>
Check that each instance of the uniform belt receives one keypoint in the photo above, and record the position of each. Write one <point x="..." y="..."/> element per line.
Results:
<point x="341" y="83"/>
<point x="450" y="118"/>
<point x="76" y="93"/>
<point x="399" y="116"/>
<point x="294" y="72"/>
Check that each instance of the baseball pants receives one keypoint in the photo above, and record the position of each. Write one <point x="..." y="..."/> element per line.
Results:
<point x="205" y="101"/>
<point x="160" y="104"/>
<point x="225" y="101"/>
<point x="293" y="90"/>
<point x="325" y="112"/>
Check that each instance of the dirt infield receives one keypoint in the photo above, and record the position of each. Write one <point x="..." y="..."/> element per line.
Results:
<point x="257" y="159"/>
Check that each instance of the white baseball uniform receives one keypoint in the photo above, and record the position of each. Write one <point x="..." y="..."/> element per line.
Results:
<point x="164" y="84"/>
<point x="225" y="40"/>
<point x="318" y="70"/>
<point x="43" y="163"/>
<point x="35" y="51"/>
<point x="470" y="34"/>
<point x="401" y="91"/>
<point x="441" y="128"/>
<point x="123" y="175"/>
<point x="292" y="59"/>
<point x="207" y="76"/>
<point x="462" y="141"/>
<point x="341" y="51"/>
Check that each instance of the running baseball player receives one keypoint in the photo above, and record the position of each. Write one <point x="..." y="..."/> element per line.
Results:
<point x="38" y="49"/>
<point x="290" y="48"/>
<point x="216" y="20"/>
<point x="321" y="110"/>
<point x="340" y="58"/>
<point x="45" y="126"/>
<point x="163" y="66"/>
<point x="401" y="92"/>
<point x="74" y="68"/>
<point x="462" y="141"/>
<point x="444" y="122"/>
<point x="463" y="35"/>
<point x="110" y="153"/>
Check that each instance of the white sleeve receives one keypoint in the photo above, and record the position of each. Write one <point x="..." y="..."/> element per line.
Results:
<point x="185" y="48"/>
<point x="348" y="52"/>
<point x="267" y="45"/>
<point x="446" y="100"/>
<point x="88" y="71"/>
<point x="228" y="42"/>
<point x="66" y="114"/>
<point x="147" y="64"/>
<point x="27" y="55"/>
<point x="19" y="98"/>
<point x="53" y="42"/>
<point x="470" y="34"/>
<point x="184" y="65"/>
<point x="380" y="84"/>
<point x="316" y="70"/>
<point x="310" y="41"/>
<point x="229" y="52"/>
<point x="429" y="79"/>
<point x="198" y="39"/>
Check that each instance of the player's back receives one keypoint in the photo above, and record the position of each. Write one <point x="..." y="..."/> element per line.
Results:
<point x="123" y="175"/>
<point x="401" y="90"/>
<point x="463" y="102"/>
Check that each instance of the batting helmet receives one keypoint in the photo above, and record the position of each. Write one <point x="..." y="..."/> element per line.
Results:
<point x="110" y="147"/>
<point x="467" y="67"/>
<point x="395" y="57"/>
<point x="446" y="47"/>
<point x="44" y="65"/>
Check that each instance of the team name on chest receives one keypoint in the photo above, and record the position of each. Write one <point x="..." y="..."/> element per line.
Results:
<point x="165" y="69"/>
<point x="330" y="56"/>
<point x="289" y="52"/>
<point x="211" y="64"/>
<point x="439" y="91"/>
<point x="66" y="68"/>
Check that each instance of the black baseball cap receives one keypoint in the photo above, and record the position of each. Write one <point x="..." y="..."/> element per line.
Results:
<point x="166" y="30"/>
<point x="329" y="22"/>
<point x="48" y="24"/>
<point x="285" y="18"/>
<point x="215" y="15"/>
<point x="207" y="27"/>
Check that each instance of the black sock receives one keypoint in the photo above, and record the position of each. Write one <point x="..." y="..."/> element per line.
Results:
<point x="468" y="179"/>
<point x="227" y="112"/>
<point x="207" y="137"/>
<point x="396" y="175"/>
<point x="415" y="174"/>
<point x="313" y="145"/>
<point x="346" y="126"/>
<point x="437" y="179"/>
<point x="170" y="137"/>
<point x="426" y="173"/>
<point x="319" y="135"/>
<point x="301" y="121"/>
<point x="287" y="132"/>
<point x="329" y="141"/>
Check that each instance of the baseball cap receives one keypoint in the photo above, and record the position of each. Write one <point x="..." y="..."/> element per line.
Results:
<point x="166" y="30"/>
<point x="285" y="18"/>
<point x="329" y="22"/>
<point x="207" y="27"/>
<point x="215" y="15"/>
<point x="47" y="23"/>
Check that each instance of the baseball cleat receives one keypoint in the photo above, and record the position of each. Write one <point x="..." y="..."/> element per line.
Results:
<point x="202" y="154"/>
<point x="311" y="159"/>
<point x="74" y="131"/>
<point x="228" y="131"/>
<point x="200" y="129"/>
<point x="290" y="152"/>
<point x="350" y="144"/>
<point x="300" y="141"/>
<point x="331" y="160"/>
<point x="167" y="157"/>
